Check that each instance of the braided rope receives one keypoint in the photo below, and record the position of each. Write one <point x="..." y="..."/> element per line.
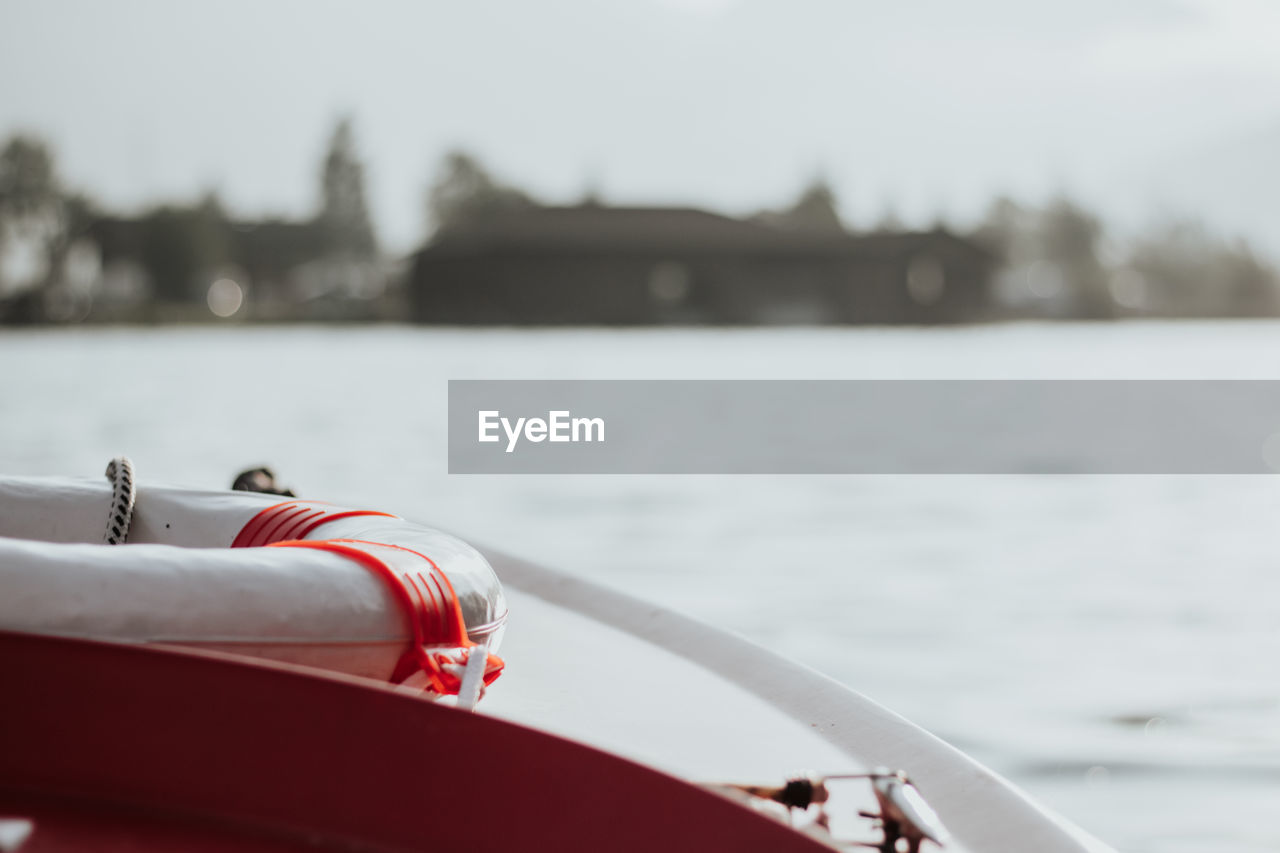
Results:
<point x="120" y="473"/>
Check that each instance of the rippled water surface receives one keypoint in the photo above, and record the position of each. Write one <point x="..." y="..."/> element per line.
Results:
<point x="1109" y="643"/>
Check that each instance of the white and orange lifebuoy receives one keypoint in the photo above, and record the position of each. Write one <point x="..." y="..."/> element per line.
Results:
<point x="355" y="591"/>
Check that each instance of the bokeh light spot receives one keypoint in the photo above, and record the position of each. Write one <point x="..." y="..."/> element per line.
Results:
<point x="225" y="297"/>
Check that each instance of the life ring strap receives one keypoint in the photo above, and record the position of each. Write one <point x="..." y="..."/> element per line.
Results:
<point x="293" y="520"/>
<point x="439" y="647"/>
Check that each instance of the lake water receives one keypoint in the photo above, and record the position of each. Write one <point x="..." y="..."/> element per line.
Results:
<point x="1111" y="644"/>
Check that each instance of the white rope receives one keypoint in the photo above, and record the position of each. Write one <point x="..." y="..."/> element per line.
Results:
<point x="120" y="473"/>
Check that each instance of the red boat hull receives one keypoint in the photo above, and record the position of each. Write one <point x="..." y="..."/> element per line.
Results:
<point x="123" y="747"/>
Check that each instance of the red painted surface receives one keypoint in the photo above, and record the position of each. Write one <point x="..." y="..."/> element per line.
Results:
<point x="117" y="747"/>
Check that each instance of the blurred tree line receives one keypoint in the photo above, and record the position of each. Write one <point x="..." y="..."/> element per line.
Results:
<point x="40" y="221"/>
<point x="1058" y="260"/>
<point x="464" y="193"/>
<point x="58" y="248"/>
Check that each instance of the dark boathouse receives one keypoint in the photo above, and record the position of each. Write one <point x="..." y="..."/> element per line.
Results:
<point x="632" y="266"/>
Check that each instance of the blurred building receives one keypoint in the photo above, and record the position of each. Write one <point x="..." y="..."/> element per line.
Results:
<point x="591" y="264"/>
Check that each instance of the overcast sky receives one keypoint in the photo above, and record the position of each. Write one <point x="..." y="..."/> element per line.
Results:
<point x="927" y="107"/>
